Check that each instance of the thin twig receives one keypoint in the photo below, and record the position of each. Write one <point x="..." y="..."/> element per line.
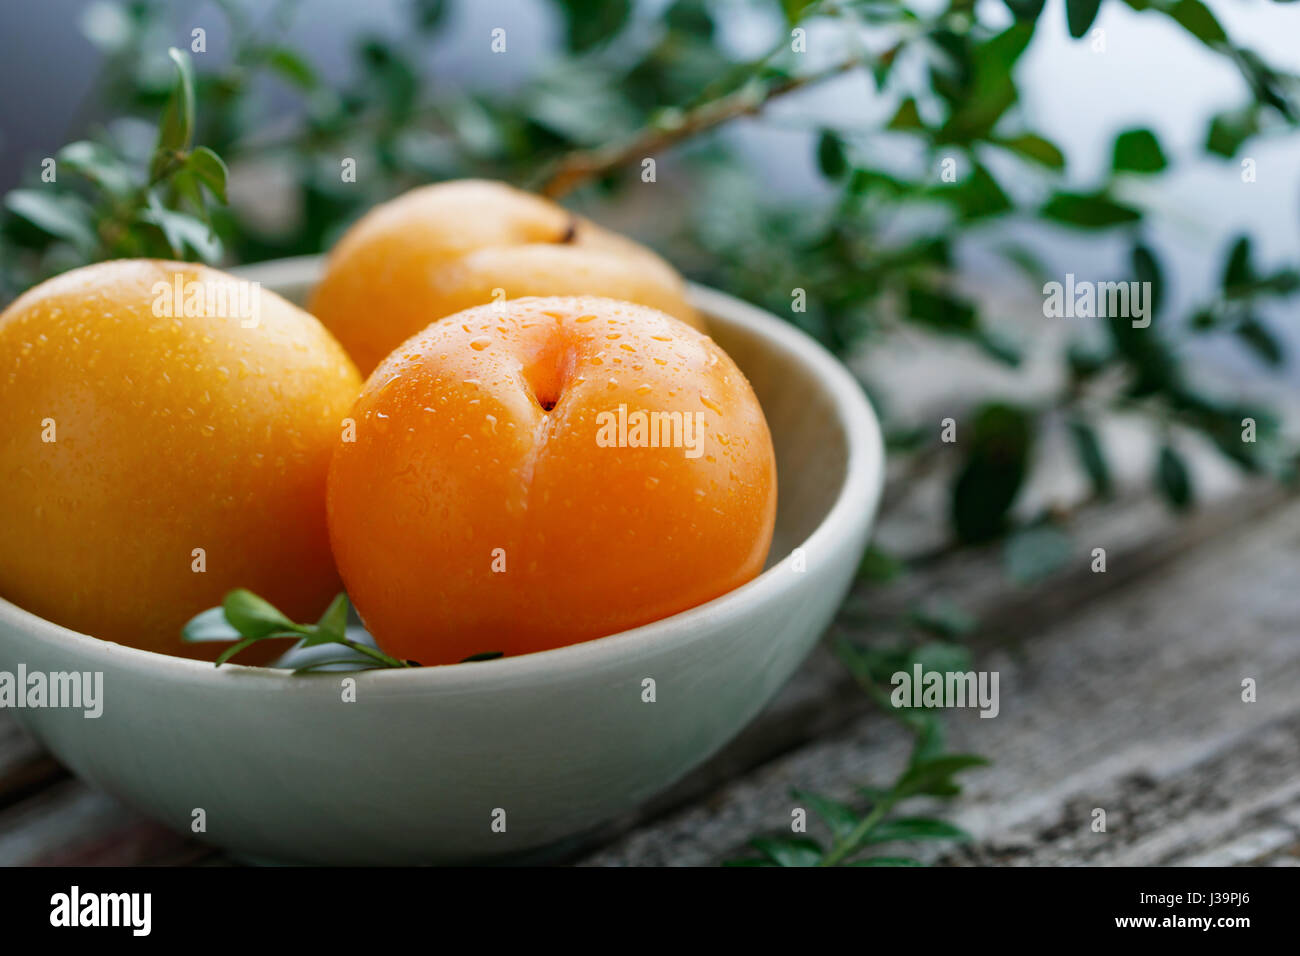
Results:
<point x="577" y="168"/>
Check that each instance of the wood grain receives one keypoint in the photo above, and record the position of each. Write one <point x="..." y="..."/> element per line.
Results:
<point x="1131" y="704"/>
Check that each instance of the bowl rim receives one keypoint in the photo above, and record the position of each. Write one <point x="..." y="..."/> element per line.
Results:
<point x="854" y="506"/>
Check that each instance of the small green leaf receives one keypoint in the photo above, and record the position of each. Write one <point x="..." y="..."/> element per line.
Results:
<point x="63" y="216"/>
<point x="177" y="127"/>
<point x="210" y="169"/>
<point x="930" y="737"/>
<point x="997" y="459"/>
<point x="940" y="311"/>
<point x="1026" y="9"/>
<point x="1079" y="15"/>
<point x="182" y="231"/>
<point x="943" y="617"/>
<point x="1260" y="340"/>
<point x="1195" y="17"/>
<point x="1237" y="270"/>
<point x="210" y="625"/>
<point x="1173" y="479"/>
<point x="837" y="816"/>
<point x="252" y="616"/>
<point x="591" y="23"/>
<point x="831" y="159"/>
<point x="293" y="67"/>
<point x="943" y="657"/>
<point x="915" y="828"/>
<point x="1000" y="346"/>
<point x="1146" y="269"/>
<point x="934" y="776"/>
<point x="1228" y="130"/>
<point x="1032" y="554"/>
<point x="333" y="624"/>
<point x="976" y="196"/>
<point x="1138" y="151"/>
<point x="1283" y="282"/>
<point x="1035" y="147"/>
<point x="99" y="164"/>
<point x="190" y="188"/>
<point x="429" y="14"/>
<point x="1088" y="211"/>
<point x="789" y="851"/>
<point x="1088" y="447"/>
<point x="879" y="567"/>
<point x="907" y="118"/>
<point x="483" y="656"/>
<point x="794" y="9"/>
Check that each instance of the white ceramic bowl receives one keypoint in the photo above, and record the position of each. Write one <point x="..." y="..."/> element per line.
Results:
<point x="414" y="770"/>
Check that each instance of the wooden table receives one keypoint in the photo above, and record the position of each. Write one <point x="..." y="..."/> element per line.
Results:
<point x="1119" y="690"/>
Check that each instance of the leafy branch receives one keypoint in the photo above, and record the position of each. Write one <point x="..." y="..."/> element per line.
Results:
<point x="126" y="210"/>
<point x="253" y="619"/>
<point x="853" y="832"/>
<point x="929" y="772"/>
<point x="673" y="126"/>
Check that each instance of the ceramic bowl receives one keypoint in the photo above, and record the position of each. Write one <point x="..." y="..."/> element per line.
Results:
<point x="422" y="764"/>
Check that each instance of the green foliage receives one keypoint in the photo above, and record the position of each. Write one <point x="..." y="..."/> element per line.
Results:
<point x="853" y="831"/>
<point x="1172" y="477"/>
<point x="855" y="827"/>
<point x="1079" y="15"/>
<point x="1089" y="211"/>
<point x="247" y="619"/>
<point x="116" y="207"/>
<point x="1138" y="151"/>
<point x="996" y="462"/>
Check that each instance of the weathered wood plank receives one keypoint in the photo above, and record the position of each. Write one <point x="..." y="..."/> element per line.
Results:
<point x="73" y="824"/>
<point x="1132" y="704"/>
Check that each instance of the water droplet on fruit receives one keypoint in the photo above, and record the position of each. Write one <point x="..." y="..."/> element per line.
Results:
<point x="479" y="343"/>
